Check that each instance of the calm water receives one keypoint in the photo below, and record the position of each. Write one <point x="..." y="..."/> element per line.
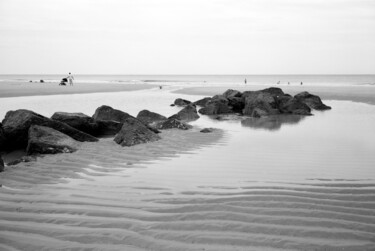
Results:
<point x="205" y="79"/>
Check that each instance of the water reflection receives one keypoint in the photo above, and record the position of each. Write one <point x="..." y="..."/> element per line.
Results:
<point x="272" y="123"/>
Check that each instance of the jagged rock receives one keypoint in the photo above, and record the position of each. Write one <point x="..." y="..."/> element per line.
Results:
<point x="134" y="132"/>
<point x="16" y="126"/>
<point x="290" y="105"/>
<point x="147" y="117"/>
<point x="218" y="105"/>
<point x="87" y="124"/>
<point x="260" y="104"/>
<point x="1" y="164"/>
<point x="45" y="140"/>
<point x="271" y="92"/>
<point x="189" y="113"/>
<point x="202" y="102"/>
<point x="236" y="103"/>
<point x="312" y="101"/>
<point x="173" y="123"/>
<point x="2" y="138"/>
<point x="207" y="130"/>
<point x="22" y="159"/>
<point x="181" y="102"/>
<point x="105" y="112"/>
<point x="232" y="94"/>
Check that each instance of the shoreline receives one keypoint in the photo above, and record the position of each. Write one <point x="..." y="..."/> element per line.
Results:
<point x="17" y="89"/>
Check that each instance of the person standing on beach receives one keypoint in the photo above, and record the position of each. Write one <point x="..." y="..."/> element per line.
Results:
<point x="70" y="79"/>
<point x="245" y="81"/>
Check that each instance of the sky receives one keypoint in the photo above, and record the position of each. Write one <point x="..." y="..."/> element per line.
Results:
<point x="187" y="36"/>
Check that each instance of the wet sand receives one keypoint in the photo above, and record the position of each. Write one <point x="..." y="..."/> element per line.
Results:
<point x="20" y="89"/>
<point x="244" y="187"/>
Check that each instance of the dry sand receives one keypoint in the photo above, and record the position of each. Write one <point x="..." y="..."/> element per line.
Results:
<point x="364" y="94"/>
<point x="19" y="89"/>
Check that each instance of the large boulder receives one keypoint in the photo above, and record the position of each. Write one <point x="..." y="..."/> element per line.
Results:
<point x="188" y="113"/>
<point x="260" y="104"/>
<point x="134" y="132"/>
<point x="1" y="164"/>
<point x="108" y="113"/>
<point x="202" y="102"/>
<point x="236" y="104"/>
<point x="16" y="126"/>
<point x="232" y="94"/>
<point x="147" y="117"/>
<point x="45" y="140"/>
<point x="313" y="101"/>
<point x="87" y="124"/>
<point x="217" y="105"/>
<point x="2" y="138"/>
<point x="290" y="105"/>
<point x="181" y="102"/>
<point x="173" y="123"/>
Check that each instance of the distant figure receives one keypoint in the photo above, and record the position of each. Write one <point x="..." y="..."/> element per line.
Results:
<point x="70" y="79"/>
<point x="288" y="83"/>
<point x="245" y="81"/>
<point x="161" y="87"/>
<point x="278" y="82"/>
<point x="301" y="83"/>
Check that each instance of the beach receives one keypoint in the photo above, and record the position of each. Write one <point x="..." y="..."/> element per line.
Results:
<point x="303" y="183"/>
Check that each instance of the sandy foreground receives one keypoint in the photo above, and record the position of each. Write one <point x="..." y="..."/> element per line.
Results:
<point x="171" y="195"/>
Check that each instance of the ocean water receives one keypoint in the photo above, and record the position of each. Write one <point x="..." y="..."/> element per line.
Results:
<point x="203" y="80"/>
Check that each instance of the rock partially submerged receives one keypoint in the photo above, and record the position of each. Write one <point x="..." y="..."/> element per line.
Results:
<point x="207" y="130"/>
<point x="181" y="102"/>
<point x="16" y="126"/>
<point x="134" y="132"/>
<point x="313" y="101"/>
<point x="24" y="159"/>
<point x="202" y="102"/>
<point x="108" y="113"/>
<point x="172" y="123"/>
<point x="45" y="140"/>
<point x="188" y="113"/>
<point x="147" y="117"/>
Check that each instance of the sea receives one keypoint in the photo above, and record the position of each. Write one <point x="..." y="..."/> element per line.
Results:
<point x="200" y="79"/>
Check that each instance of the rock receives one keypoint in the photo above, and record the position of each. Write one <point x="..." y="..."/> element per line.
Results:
<point x="1" y="164"/>
<point x="260" y="104"/>
<point x="232" y="94"/>
<point x="87" y="124"/>
<point x="23" y="159"/>
<point x="236" y="103"/>
<point x="207" y="130"/>
<point x="173" y="123"/>
<point x="189" y="113"/>
<point x="2" y="138"/>
<point x="217" y="105"/>
<point x="313" y="101"/>
<point x="202" y="102"/>
<point x="290" y="105"/>
<point x="181" y="102"/>
<point x="16" y="126"/>
<point x="108" y="113"/>
<point x="45" y="140"/>
<point x="147" y="117"/>
<point x="41" y="81"/>
<point x="134" y="132"/>
<point x="273" y="91"/>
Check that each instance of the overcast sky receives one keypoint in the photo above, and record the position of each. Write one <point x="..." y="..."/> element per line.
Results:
<point x="187" y="36"/>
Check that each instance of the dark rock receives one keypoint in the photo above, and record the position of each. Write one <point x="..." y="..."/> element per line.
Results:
<point x="87" y="124"/>
<point x="181" y="102"/>
<point x="108" y="113"/>
<point x="2" y="138"/>
<point x="207" y="130"/>
<point x="22" y="159"/>
<point x="236" y="103"/>
<point x="202" y="102"/>
<point x="1" y="164"/>
<point x="189" y="113"/>
<point x="232" y="94"/>
<point x="219" y="98"/>
<point x="16" y="126"/>
<point x="45" y="140"/>
<point x="312" y="101"/>
<point x="173" y="123"/>
<point x="147" y="117"/>
<point x="273" y="91"/>
<point x="172" y="105"/>
<point x="260" y="104"/>
<point x="218" y="105"/>
<point x="134" y="132"/>
<point x="292" y="105"/>
<point x="41" y="81"/>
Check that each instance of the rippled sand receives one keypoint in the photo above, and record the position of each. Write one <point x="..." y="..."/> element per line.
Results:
<point x="295" y="184"/>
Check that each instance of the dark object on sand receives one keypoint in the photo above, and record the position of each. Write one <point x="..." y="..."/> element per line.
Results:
<point x="147" y="117"/>
<point x="173" y="123"/>
<point x="134" y="132"/>
<point x="16" y="126"/>
<point x="207" y="130"/>
<point x="41" y="81"/>
<point x="30" y="81"/>
<point x="63" y="81"/>
<point x="181" y="102"/>
<point x="45" y="140"/>
<point x="189" y="113"/>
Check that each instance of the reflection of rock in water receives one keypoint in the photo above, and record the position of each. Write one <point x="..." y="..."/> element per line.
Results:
<point x="271" y="123"/>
